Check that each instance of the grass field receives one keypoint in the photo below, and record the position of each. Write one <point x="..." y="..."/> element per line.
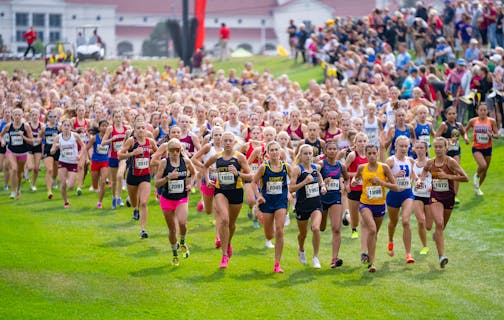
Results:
<point x="86" y="263"/>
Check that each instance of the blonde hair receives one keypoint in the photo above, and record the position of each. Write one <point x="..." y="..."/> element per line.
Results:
<point x="401" y="138"/>
<point x="297" y="159"/>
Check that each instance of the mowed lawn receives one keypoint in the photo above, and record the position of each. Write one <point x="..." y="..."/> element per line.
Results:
<point x="86" y="263"/>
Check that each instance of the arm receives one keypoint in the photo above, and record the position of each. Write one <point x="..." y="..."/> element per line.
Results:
<point x="470" y="124"/>
<point x="441" y="130"/>
<point x="390" y="183"/>
<point x="91" y="142"/>
<point x="107" y="136"/>
<point x="245" y="169"/>
<point x="256" y="184"/>
<point x="124" y="154"/>
<point x="459" y="175"/>
<point x="160" y="180"/>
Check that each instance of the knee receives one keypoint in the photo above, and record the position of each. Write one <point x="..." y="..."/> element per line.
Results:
<point x="315" y="229"/>
<point x="36" y="169"/>
<point x="336" y="231"/>
<point x="224" y="222"/>
<point x="49" y="172"/>
<point x="483" y="166"/>
<point x="371" y="232"/>
<point x="279" y="233"/>
<point x="405" y="224"/>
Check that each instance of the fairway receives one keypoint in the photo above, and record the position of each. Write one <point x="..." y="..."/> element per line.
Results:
<point x="86" y="263"/>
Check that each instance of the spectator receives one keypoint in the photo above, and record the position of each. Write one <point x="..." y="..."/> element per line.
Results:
<point x="476" y="14"/>
<point x="224" y="34"/>
<point x="291" y="31"/>
<point x="490" y="19"/>
<point x="81" y="40"/>
<point x="421" y="11"/>
<point x="197" y="59"/>
<point x="472" y="53"/>
<point x="403" y="58"/>
<point x="302" y="36"/>
<point x="443" y="51"/>
<point x="448" y="21"/>
<point x="30" y="36"/>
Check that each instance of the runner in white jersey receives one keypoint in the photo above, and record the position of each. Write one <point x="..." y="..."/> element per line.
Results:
<point x="421" y="193"/>
<point x="372" y="127"/>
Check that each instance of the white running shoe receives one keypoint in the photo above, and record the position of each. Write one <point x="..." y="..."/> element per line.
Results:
<point x="302" y="256"/>
<point x="478" y="191"/>
<point x="287" y="220"/>
<point x="269" y="245"/>
<point x="476" y="181"/>
<point x="33" y="188"/>
<point x="316" y="263"/>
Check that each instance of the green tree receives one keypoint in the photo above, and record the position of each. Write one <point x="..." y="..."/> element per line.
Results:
<point x="157" y="44"/>
<point x="39" y="46"/>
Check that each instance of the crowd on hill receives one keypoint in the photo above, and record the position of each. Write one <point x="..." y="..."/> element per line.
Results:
<point x="380" y="121"/>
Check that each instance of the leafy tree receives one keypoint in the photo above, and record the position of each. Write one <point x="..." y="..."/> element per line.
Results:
<point x="157" y="44"/>
<point x="39" y="46"/>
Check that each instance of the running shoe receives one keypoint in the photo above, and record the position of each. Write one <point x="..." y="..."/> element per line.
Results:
<point x="476" y="181"/>
<point x="478" y="192"/>
<point x="372" y="268"/>
<point x="443" y="261"/>
<point x="302" y="256"/>
<point x="33" y="188"/>
<point x="18" y="195"/>
<point x="143" y="234"/>
<point x="256" y="224"/>
<point x="91" y="189"/>
<point x="277" y="268"/>
<point x="336" y="262"/>
<point x="67" y="205"/>
<point x="12" y="195"/>
<point x="55" y="185"/>
<point x="390" y="249"/>
<point x="49" y="195"/>
<point x="114" y="203"/>
<point x="184" y="248"/>
<point x="128" y="202"/>
<point x="249" y="213"/>
<point x="175" y="261"/>
<point x="269" y="245"/>
<point x="409" y="259"/>
<point x="224" y="262"/>
<point x="135" y="215"/>
<point x="345" y="218"/>
<point x="316" y="263"/>
<point x="229" y="251"/>
<point x="79" y="191"/>
<point x="355" y="234"/>
<point x="193" y="190"/>
<point x="119" y="202"/>
<point x="457" y="201"/>
<point x="364" y="258"/>
<point x="5" y="188"/>
<point x="217" y="243"/>
<point x="424" y="250"/>
<point x="287" y="220"/>
<point x="99" y="205"/>
<point x="200" y="206"/>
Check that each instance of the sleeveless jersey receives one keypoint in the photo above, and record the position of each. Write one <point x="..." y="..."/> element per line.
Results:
<point x="423" y="191"/>
<point x="117" y="141"/>
<point x="16" y="141"/>
<point x="235" y="130"/>
<point x="35" y="134"/>
<point x="316" y="146"/>
<point x="49" y="134"/>
<point x="398" y="133"/>
<point x="422" y="133"/>
<point x="353" y="168"/>
<point x="403" y="182"/>
<point x="274" y="184"/>
<point x="371" y="131"/>
<point x="68" y="149"/>
<point x="227" y="180"/>
<point x="139" y="164"/>
<point x="188" y="143"/>
<point x="308" y="197"/>
<point x="100" y="153"/>
<point x="481" y="131"/>
<point x="371" y="193"/>
<point x="441" y="185"/>
<point x="333" y="187"/>
<point x="452" y="131"/>
<point x="175" y="189"/>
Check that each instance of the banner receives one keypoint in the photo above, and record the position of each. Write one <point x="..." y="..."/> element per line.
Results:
<point x="199" y="12"/>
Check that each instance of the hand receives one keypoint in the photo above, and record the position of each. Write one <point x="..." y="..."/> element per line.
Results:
<point x="233" y="170"/>
<point x="210" y="184"/>
<point x="138" y="151"/>
<point x="308" y="179"/>
<point x="442" y="175"/>
<point x="323" y="190"/>
<point x="173" y="175"/>
<point x="188" y="187"/>
<point x="401" y="173"/>
<point x="260" y="200"/>
<point x="419" y="184"/>
<point x="376" y="181"/>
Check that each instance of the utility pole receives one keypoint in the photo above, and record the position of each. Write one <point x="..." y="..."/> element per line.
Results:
<point x="186" y="55"/>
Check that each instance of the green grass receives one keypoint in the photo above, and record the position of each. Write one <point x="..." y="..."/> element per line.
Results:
<point x="87" y="263"/>
<point x="301" y="73"/>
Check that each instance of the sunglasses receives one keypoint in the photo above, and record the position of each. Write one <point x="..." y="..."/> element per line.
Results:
<point x="174" y="150"/>
<point x="52" y="117"/>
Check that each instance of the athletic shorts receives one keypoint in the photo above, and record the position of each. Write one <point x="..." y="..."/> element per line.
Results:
<point x="326" y="206"/>
<point x="171" y="205"/>
<point x="354" y="195"/>
<point x="97" y="165"/>
<point x="378" y="210"/>
<point x="272" y="207"/>
<point x="205" y="190"/>
<point x="136" y="180"/>
<point x="446" y="198"/>
<point x="113" y="162"/>
<point x="35" y="149"/>
<point x="395" y="199"/>
<point x="19" y="156"/>
<point x="305" y="215"/>
<point x="425" y="201"/>
<point x="234" y="196"/>
<point x="71" y="167"/>
<point x="485" y="152"/>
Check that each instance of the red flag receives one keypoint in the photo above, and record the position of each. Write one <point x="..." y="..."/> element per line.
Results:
<point x="199" y="12"/>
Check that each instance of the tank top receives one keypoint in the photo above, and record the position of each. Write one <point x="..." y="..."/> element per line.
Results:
<point x="83" y="130"/>
<point x="389" y="116"/>
<point x="343" y="144"/>
<point x="274" y="184"/>
<point x="235" y="130"/>
<point x="227" y="180"/>
<point x="423" y="191"/>
<point x="35" y="134"/>
<point x="353" y="168"/>
<point x="100" y="153"/>
<point x="451" y="133"/>
<point x="68" y="149"/>
<point x="188" y="143"/>
<point x="49" y="134"/>
<point x="308" y="197"/>
<point x="371" y="131"/>
<point x="356" y="113"/>
<point x="403" y="182"/>
<point x="398" y="133"/>
<point x="255" y="165"/>
<point x="316" y="146"/>
<point x="118" y="138"/>
<point x="333" y="187"/>
<point x="161" y="136"/>
<point x="212" y="170"/>
<point x="481" y="131"/>
<point x="175" y="189"/>
<point x="16" y="142"/>
<point x="298" y="131"/>
<point x="422" y="133"/>
<point x="329" y="136"/>
<point x="441" y="185"/>
<point x="371" y="193"/>
<point x="139" y="164"/>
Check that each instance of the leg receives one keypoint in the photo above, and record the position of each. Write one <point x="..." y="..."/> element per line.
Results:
<point x="14" y="172"/>
<point x="169" y="216"/>
<point x="37" y="157"/>
<point x="269" y="227"/>
<point x="419" y="210"/>
<point x="303" y="230"/>
<point x="279" y="219"/>
<point x="62" y="173"/>
<point x="407" y="206"/>
<point x="482" y="165"/>
<point x="103" y="175"/>
<point x="335" y="213"/>
<point x="315" y="228"/>
<point x="438" y="216"/>
<point x="393" y="219"/>
<point x="323" y="220"/>
<point x="367" y="217"/>
<point x="143" y="195"/>
<point x="222" y="215"/>
<point x="234" y="211"/>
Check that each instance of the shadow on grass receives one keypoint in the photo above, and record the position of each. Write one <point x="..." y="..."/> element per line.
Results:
<point x="434" y="273"/>
<point x="118" y="225"/>
<point x="217" y="275"/>
<point x="118" y="242"/>
<point x="102" y="213"/>
<point x="254" y="275"/>
<point x="152" y="271"/>
<point x="473" y="203"/>
<point x="149" y="252"/>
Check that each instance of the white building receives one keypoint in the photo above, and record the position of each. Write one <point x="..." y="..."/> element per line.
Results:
<point x="125" y="24"/>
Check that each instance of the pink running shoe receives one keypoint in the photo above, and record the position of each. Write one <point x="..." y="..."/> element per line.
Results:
<point x="224" y="262"/>
<point x="200" y="206"/>
<point x="67" y="204"/>
<point x="277" y="268"/>
<point x="217" y="243"/>
<point x="99" y="205"/>
<point x="230" y="251"/>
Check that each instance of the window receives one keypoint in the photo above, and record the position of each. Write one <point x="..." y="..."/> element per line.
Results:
<point x="40" y="35"/>
<point x="38" y="20"/>
<point x="145" y="19"/>
<point x="98" y="18"/>
<point x="239" y="21"/>
<point x="55" y="20"/>
<point x="21" y="19"/>
<point x="74" y="16"/>
<point x="54" y="36"/>
<point x="19" y="36"/>
<point x="121" y="18"/>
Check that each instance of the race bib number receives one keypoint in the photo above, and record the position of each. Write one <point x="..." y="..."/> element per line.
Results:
<point x="425" y="139"/>
<point x="421" y="189"/>
<point x="482" y="138"/>
<point x="453" y="146"/>
<point x="141" y="163"/>
<point x="102" y="149"/>
<point x="312" y="190"/>
<point x="254" y="167"/>
<point x="440" y="185"/>
<point x="16" y="140"/>
<point x="274" y="187"/>
<point x="36" y="141"/>
<point x="374" y="192"/>
<point x="404" y="183"/>
<point x="67" y="153"/>
<point x="226" y="178"/>
<point x="333" y="185"/>
<point x="49" y="140"/>
<point x="117" y="145"/>
<point x="176" y="186"/>
<point x="84" y="137"/>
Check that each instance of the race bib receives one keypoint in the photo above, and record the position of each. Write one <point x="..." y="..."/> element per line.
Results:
<point x="226" y="178"/>
<point x="16" y="140"/>
<point x="312" y="190"/>
<point x="404" y="183"/>
<point x="482" y="138"/>
<point x="176" y="186"/>
<point x="36" y="141"/>
<point x="67" y="153"/>
<point x="102" y="149"/>
<point x="49" y="140"/>
<point x="333" y="185"/>
<point x="274" y="187"/>
<point x="425" y="139"/>
<point x="117" y="145"/>
<point x="440" y="185"/>
<point x="212" y="175"/>
<point x="422" y="189"/>
<point x="254" y="167"/>
<point x="374" y="192"/>
<point x="141" y="163"/>
<point x="453" y="146"/>
<point x="84" y="137"/>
